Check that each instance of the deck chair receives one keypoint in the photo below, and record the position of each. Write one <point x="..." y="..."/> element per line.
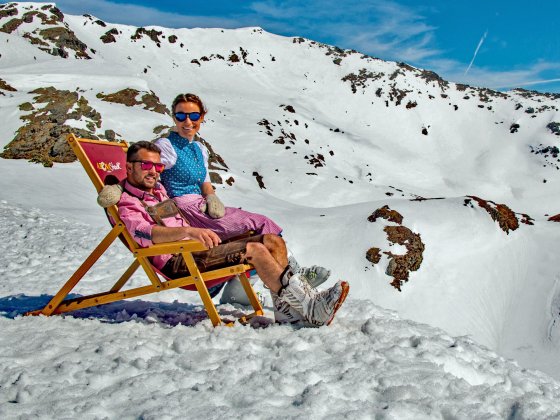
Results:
<point x="102" y="159"/>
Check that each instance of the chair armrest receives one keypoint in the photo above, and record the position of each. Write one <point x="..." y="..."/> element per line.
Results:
<point x="170" y="248"/>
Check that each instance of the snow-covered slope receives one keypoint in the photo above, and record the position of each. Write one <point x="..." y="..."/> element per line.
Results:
<point x="335" y="136"/>
<point x="149" y="359"/>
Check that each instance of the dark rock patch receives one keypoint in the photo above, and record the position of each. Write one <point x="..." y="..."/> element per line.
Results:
<point x="43" y="138"/>
<point x="259" y="179"/>
<point x="129" y="97"/>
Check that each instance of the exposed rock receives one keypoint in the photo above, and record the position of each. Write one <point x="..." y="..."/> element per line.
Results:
<point x="161" y="128"/>
<point x="259" y="180"/>
<point x="36" y="41"/>
<point x="5" y="86"/>
<point x="233" y="58"/>
<point x="397" y="94"/>
<point x="152" y="34"/>
<point x="400" y="266"/>
<point x="506" y="218"/>
<point x="215" y="178"/>
<point x="288" y="108"/>
<point x="11" y="25"/>
<point x="8" y="12"/>
<point x="361" y="79"/>
<point x="554" y="127"/>
<point x="43" y="138"/>
<point x="555" y="218"/>
<point x="26" y="106"/>
<point x="215" y="161"/>
<point x="373" y="255"/>
<point x="386" y="213"/>
<point x="172" y="39"/>
<point x="514" y="128"/>
<point x="64" y="38"/>
<point x="129" y="97"/>
<point x="316" y="160"/>
<point x="430" y="76"/>
<point x="109" y="36"/>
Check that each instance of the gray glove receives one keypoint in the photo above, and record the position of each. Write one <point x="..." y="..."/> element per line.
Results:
<point x="215" y="207"/>
<point x="109" y="195"/>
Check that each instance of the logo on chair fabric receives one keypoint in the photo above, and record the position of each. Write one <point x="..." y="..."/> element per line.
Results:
<point x="109" y="166"/>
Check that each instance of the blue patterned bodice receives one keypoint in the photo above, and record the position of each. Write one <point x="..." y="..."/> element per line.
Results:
<point x="189" y="172"/>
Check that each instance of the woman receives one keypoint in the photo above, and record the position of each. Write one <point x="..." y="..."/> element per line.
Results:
<point x="187" y="181"/>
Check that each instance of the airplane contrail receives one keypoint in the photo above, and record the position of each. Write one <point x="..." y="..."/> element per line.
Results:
<point x="476" y="51"/>
<point x="534" y="82"/>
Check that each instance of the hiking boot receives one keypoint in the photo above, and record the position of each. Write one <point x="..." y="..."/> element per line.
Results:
<point x="314" y="275"/>
<point x="317" y="308"/>
<point x="283" y="312"/>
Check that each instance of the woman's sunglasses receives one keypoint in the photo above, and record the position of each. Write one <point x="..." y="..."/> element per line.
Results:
<point x="146" y="165"/>
<point x="182" y="116"/>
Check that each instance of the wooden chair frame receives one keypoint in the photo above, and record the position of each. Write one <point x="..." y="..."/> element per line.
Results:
<point x="58" y="304"/>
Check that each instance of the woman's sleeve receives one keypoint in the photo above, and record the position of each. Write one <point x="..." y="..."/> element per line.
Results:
<point x="204" y="151"/>
<point x="168" y="154"/>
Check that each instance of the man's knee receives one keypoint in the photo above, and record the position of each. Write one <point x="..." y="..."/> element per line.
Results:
<point x="273" y="242"/>
<point x="256" y="250"/>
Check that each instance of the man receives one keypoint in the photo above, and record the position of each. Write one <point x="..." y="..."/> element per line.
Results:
<point x="293" y="298"/>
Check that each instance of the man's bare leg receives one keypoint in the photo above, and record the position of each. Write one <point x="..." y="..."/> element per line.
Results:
<point x="268" y="268"/>
<point x="277" y="248"/>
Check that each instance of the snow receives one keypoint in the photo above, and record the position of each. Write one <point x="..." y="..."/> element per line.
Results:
<point x="474" y="333"/>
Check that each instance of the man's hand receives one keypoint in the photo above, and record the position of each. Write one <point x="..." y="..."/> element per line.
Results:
<point x="162" y="234"/>
<point x="206" y="236"/>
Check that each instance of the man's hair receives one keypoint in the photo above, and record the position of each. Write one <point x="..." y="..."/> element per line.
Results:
<point x="134" y="148"/>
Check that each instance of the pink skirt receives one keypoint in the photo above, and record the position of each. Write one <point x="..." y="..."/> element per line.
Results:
<point x="235" y="221"/>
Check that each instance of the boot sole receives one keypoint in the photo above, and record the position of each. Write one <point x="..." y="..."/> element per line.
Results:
<point x="341" y="299"/>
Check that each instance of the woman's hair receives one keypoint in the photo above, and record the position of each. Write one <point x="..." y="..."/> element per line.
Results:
<point x="188" y="97"/>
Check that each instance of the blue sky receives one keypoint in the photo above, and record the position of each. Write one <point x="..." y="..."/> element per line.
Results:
<point x="493" y="43"/>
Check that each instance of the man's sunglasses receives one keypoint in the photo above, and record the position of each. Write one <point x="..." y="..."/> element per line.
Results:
<point x="182" y="116"/>
<point x="146" y="165"/>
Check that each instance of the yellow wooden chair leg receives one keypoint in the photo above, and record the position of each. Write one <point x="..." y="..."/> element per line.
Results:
<point x="202" y="290"/>
<point x="82" y="270"/>
<point x="253" y="299"/>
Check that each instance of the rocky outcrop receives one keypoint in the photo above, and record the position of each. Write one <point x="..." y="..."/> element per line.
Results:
<point x="130" y="97"/>
<point x="507" y="219"/>
<point x="361" y="79"/>
<point x="151" y="34"/>
<point x="5" y="86"/>
<point x="43" y="137"/>
<point x="53" y="37"/>
<point x="399" y="266"/>
<point x="386" y="213"/>
<point x="64" y="39"/>
<point x="554" y="128"/>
